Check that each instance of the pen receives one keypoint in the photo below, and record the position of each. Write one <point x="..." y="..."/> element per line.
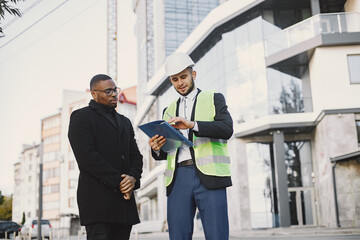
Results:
<point x="171" y="117"/>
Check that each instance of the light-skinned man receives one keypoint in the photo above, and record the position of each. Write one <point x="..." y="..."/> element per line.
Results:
<point x="196" y="177"/>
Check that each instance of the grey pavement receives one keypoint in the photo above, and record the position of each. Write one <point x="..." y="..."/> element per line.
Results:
<point x="311" y="233"/>
<point x="318" y="237"/>
<point x="165" y="236"/>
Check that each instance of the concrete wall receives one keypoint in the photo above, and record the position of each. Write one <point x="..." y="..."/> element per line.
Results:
<point x="238" y="194"/>
<point x="348" y="192"/>
<point x="335" y="135"/>
<point x="330" y="81"/>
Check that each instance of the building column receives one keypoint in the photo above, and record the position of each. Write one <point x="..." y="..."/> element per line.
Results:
<point x="162" y="199"/>
<point x="281" y="180"/>
<point x="315" y="7"/>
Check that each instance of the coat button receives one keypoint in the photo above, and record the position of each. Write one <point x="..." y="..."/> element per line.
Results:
<point x="122" y="156"/>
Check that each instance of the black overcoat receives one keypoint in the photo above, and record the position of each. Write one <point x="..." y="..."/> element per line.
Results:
<point x="104" y="150"/>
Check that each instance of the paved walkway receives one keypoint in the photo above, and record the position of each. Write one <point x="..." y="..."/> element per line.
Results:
<point x="311" y="233"/>
<point x="294" y="233"/>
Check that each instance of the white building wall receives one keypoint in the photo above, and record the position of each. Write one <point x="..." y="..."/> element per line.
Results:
<point x="127" y="109"/>
<point x="26" y="190"/>
<point x="159" y="33"/>
<point x="330" y="82"/>
<point x="352" y="6"/>
<point x="72" y="100"/>
<point x="238" y="194"/>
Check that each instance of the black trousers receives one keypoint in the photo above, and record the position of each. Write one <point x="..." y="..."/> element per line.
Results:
<point x="108" y="231"/>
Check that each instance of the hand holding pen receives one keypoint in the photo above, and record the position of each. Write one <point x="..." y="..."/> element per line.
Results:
<point x="180" y="122"/>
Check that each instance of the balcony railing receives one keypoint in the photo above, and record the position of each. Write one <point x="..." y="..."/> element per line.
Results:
<point x="319" y="24"/>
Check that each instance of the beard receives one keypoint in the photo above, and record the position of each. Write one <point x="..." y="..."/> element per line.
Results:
<point x="192" y="86"/>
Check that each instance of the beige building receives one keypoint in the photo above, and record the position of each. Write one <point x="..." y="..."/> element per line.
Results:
<point x="52" y="158"/>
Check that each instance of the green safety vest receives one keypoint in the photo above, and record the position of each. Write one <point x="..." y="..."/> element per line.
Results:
<point x="211" y="155"/>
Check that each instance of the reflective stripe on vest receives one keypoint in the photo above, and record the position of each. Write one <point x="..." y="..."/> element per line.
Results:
<point x="170" y="166"/>
<point x="211" y="155"/>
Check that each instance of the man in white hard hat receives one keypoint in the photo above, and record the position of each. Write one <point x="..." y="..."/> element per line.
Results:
<point x="196" y="177"/>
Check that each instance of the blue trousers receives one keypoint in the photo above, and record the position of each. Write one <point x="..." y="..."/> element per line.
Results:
<point x="187" y="194"/>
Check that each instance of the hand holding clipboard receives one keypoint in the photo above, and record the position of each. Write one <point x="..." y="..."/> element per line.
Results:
<point x="173" y="137"/>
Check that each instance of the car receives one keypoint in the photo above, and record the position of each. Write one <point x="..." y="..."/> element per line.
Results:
<point x="10" y="228"/>
<point x="30" y="229"/>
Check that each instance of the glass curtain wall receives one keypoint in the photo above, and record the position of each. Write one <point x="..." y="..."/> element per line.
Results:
<point x="181" y="18"/>
<point x="235" y="66"/>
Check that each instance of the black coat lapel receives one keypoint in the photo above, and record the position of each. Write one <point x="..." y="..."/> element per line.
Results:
<point x="109" y="118"/>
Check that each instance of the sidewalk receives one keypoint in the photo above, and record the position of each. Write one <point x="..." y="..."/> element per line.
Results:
<point x="277" y="232"/>
<point x="294" y="231"/>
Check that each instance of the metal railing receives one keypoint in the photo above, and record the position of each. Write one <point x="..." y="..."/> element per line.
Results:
<point x="328" y="23"/>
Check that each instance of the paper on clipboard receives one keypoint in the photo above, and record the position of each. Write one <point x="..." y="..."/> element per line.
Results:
<point x="174" y="138"/>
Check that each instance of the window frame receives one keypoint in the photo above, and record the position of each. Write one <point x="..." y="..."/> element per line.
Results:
<point x="355" y="69"/>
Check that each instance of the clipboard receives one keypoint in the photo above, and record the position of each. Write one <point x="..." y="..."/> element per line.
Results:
<point x="174" y="138"/>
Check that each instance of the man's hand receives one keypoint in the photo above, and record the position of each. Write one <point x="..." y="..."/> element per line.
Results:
<point x="127" y="185"/>
<point x="157" y="142"/>
<point x="181" y="123"/>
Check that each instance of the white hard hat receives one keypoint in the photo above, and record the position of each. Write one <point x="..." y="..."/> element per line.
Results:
<point x="177" y="62"/>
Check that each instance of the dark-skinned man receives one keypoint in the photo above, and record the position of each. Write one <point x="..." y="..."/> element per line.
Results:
<point x="109" y="161"/>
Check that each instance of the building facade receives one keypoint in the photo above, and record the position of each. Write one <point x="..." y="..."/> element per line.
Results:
<point x="26" y="187"/>
<point x="69" y="212"/>
<point x="60" y="170"/>
<point x="161" y="27"/>
<point x="127" y="102"/>
<point x="52" y="158"/>
<point x="289" y="72"/>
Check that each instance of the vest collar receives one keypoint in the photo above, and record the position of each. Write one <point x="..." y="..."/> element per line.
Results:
<point x="192" y="95"/>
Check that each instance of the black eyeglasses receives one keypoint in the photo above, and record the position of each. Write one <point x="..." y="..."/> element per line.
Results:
<point x="109" y="91"/>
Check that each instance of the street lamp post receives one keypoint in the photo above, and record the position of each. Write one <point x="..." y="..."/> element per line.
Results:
<point x="40" y="188"/>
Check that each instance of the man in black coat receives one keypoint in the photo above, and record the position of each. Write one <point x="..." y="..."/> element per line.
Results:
<point x="109" y="161"/>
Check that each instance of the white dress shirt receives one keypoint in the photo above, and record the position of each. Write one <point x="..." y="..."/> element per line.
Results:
<point x="185" y="109"/>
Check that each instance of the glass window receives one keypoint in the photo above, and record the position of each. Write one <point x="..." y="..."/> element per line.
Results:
<point x="71" y="165"/>
<point x="260" y="185"/>
<point x="358" y="130"/>
<point x="354" y="70"/>
<point x="298" y="164"/>
<point x="72" y="183"/>
<point x="182" y="17"/>
<point x="51" y="189"/>
<point x="51" y="205"/>
<point x="285" y="93"/>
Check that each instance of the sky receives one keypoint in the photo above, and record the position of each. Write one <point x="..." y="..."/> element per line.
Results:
<point x="55" y="45"/>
